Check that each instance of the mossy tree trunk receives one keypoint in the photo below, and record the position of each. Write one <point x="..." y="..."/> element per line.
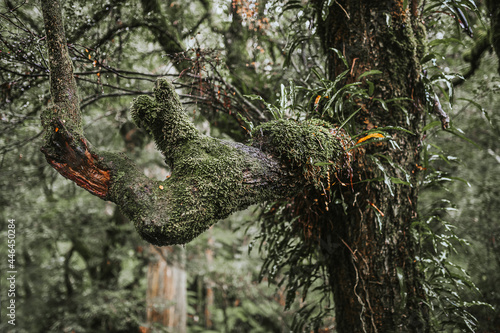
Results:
<point x="371" y="249"/>
<point x="494" y="10"/>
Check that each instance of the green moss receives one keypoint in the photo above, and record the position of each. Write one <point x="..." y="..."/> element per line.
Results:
<point x="206" y="186"/>
<point x="308" y="147"/>
<point x="54" y="112"/>
<point x="165" y="119"/>
<point x="212" y="178"/>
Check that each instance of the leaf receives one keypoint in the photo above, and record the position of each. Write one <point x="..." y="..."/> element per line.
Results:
<point x="366" y="142"/>
<point x="372" y="72"/>
<point x="293" y="92"/>
<point x="458" y="132"/>
<point x="431" y="56"/>
<point x="446" y="41"/>
<point x="395" y="180"/>
<point x="341" y="57"/>
<point x="462" y="180"/>
<point x="398" y="99"/>
<point x="480" y="108"/>
<point x="387" y="179"/>
<point x="431" y="125"/>
<point x="402" y="286"/>
<point x="384" y="104"/>
<point x="349" y="118"/>
<point x="295" y="43"/>
<point x="369" y="136"/>
<point x="318" y="75"/>
<point x="283" y="98"/>
<point x="371" y="87"/>
<point x="322" y="163"/>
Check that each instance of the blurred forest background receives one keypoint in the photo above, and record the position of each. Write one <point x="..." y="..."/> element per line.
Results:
<point x="83" y="268"/>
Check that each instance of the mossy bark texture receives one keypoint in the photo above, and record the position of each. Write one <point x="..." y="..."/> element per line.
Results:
<point x="494" y="9"/>
<point x="372" y="266"/>
<point x="210" y="178"/>
<point x="62" y="83"/>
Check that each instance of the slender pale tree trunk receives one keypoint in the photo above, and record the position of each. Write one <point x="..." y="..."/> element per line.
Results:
<point x="208" y="283"/>
<point x="166" y="295"/>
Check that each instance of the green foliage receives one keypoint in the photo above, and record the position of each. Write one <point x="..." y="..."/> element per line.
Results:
<point x="241" y="304"/>
<point x="452" y="287"/>
<point x="294" y="263"/>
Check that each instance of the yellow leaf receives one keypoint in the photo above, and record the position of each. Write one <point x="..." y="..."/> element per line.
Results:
<point x="369" y="136"/>
<point x="317" y="99"/>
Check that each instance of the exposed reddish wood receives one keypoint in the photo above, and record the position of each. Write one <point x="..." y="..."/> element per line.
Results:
<point x="72" y="158"/>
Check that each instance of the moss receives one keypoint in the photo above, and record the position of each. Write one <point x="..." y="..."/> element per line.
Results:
<point x="63" y="88"/>
<point x="51" y="115"/>
<point x="308" y="147"/>
<point x="212" y="178"/>
<point x="207" y="184"/>
<point x="421" y="38"/>
<point x="164" y="118"/>
<point x="207" y="174"/>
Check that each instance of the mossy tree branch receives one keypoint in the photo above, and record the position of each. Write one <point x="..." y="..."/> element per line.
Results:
<point x="482" y="44"/>
<point x="62" y="82"/>
<point x="210" y="178"/>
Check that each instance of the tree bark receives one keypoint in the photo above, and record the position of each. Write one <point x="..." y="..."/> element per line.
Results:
<point x="62" y="83"/>
<point x="494" y="9"/>
<point x="166" y="296"/>
<point x="370" y="248"/>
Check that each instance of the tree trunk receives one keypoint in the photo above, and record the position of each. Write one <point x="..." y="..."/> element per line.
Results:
<point x="370" y="248"/>
<point x="208" y="283"/>
<point x="166" y="295"/>
<point x="494" y="9"/>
